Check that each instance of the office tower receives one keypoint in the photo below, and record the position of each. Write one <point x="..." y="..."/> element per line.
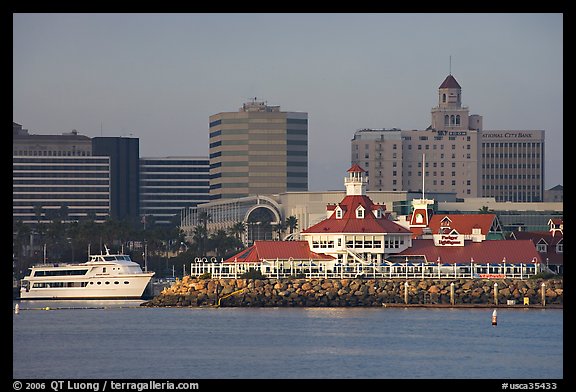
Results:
<point x="258" y="150"/>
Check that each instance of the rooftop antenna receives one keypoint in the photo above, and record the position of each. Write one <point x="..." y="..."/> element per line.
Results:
<point x="100" y="128"/>
<point x="450" y="66"/>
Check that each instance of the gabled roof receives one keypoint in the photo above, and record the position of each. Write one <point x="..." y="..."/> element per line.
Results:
<point x="463" y="223"/>
<point x="272" y="250"/>
<point x="489" y="251"/>
<point x="350" y="224"/>
<point x="449" y="82"/>
<point x="536" y="236"/>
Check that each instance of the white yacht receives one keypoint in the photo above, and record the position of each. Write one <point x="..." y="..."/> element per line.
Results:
<point x="103" y="276"/>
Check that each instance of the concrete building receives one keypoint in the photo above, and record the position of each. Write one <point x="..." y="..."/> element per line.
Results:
<point x="56" y="176"/>
<point x="169" y="184"/>
<point x="124" y="174"/>
<point x="258" y="150"/>
<point x="454" y="154"/>
<point x="512" y="165"/>
<point x="554" y="194"/>
<point x="70" y="188"/>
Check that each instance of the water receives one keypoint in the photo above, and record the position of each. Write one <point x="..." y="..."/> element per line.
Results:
<point x="120" y="340"/>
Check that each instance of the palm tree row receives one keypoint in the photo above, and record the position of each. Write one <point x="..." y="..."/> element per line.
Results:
<point x="71" y="241"/>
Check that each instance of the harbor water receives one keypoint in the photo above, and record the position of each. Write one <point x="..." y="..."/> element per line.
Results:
<point x="121" y="340"/>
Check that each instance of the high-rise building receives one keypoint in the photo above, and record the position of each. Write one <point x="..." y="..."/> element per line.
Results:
<point x="512" y="165"/>
<point x="169" y="184"/>
<point x="454" y="154"/>
<point x="258" y="150"/>
<point x="56" y="177"/>
<point x="124" y="174"/>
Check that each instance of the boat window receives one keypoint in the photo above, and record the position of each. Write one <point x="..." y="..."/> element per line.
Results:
<point x="61" y="272"/>
<point x="109" y="258"/>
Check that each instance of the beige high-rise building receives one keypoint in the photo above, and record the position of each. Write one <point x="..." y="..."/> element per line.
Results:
<point x="258" y="150"/>
<point x="454" y="154"/>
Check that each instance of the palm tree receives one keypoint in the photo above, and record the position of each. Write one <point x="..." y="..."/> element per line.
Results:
<point x="204" y="217"/>
<point x="237" y="230"/>
<point x="199" y="236"/>
<point x="220" y="242"/>
<point x="292" y="223"/>
<point x="280" y="227"/>
<point x="484" y="210"/>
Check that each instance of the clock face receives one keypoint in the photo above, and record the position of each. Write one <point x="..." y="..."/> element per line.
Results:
<point x="419" y="218"/>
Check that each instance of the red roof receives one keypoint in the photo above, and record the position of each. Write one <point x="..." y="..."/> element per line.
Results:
<point x="356" y="169"/>
<point x="449" y="82"/>
<point x="350" y="224"/>
<point x="489" y="251"/>
<point x="463" y="223"/>
<point x="272" y="250"/>
<point x="539" y="237"/>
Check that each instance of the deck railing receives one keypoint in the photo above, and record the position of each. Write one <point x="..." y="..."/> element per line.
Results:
<point x="315" y="269"/>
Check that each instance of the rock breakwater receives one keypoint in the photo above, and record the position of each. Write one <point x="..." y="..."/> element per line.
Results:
<point x="317" y="292"/>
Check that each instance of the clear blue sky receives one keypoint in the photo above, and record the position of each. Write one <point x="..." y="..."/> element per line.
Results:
<point x="159" y="77"/>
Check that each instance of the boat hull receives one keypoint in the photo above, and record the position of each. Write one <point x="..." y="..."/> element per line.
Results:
<point x="109" y="287"/>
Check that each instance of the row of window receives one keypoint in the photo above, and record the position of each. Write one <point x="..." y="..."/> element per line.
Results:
<point x="64" y="188"/>
<point x="50" y="153"/>
<point x="511" y="176"/>
<point x="511" y="166"/>
<point x="513" y="155"/>
<point x="52" y="181"/>
<point x="52" y="285"/>
<point x="511" y="187"/>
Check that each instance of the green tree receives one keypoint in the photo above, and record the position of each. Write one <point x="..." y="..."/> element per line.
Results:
<point x="292" y="223"/>
<point x="199" y="236"/>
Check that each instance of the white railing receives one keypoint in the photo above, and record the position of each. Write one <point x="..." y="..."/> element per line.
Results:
<point x="316" y="269"/>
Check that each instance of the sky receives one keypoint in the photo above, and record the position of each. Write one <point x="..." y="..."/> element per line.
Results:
<point x="159" y="76"/>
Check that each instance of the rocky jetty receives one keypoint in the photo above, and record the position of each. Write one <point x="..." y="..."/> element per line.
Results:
<point x="315" y="292"/>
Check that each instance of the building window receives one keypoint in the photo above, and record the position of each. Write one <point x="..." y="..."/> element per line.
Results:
<point x="541" y="248"/>
<point x="458" y="119"/>
<point x="443" y="98"/>
<point x="360" y="212"/>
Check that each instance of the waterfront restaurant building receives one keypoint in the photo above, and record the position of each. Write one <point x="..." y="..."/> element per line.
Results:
<point x="358" y="239"/>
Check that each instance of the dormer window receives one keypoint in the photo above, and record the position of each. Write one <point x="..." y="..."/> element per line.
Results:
<point x="360" y="212"/>
<point x="378" y="213"/>
<point x="338" y="213"/>
<point x="476" y="230"/>
<point x="542" y="247"/>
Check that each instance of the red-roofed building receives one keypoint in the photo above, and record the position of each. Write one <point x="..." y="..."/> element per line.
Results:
<point x="472" y="226"/>
<point x="277" y="250"/>
<point x="549" y="244"/>
<point x="490" y="251"/>
<point x="356" y="229"/>
<point x="358" y="239"/>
